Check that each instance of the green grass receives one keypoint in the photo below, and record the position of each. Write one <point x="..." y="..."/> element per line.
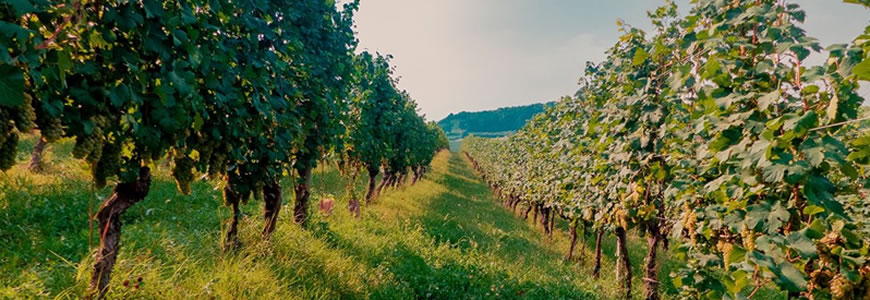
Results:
<point x="443" y="238"/>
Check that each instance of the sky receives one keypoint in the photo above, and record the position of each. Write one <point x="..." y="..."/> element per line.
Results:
<point x="470" y="55"/>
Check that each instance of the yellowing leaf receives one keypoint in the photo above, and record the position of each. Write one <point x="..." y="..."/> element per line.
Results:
<point x="640" y="55"/>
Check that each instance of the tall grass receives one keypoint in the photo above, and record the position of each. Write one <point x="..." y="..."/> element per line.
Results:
<point x="443" y="238"/>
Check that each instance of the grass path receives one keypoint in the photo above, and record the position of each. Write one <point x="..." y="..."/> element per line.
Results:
<point x="443" y="238"/>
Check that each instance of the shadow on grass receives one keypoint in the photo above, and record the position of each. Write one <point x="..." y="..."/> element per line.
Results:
<point x="34" y="223"/>
<point x="454" y="280"/>
<point x="467" y="240"/>
<point x="637" y="249"/>
<point x="474" y="219"/>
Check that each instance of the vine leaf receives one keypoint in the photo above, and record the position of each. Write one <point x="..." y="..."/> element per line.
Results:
<point x="786" y="275"/>
<point x="803" y="244"/>
<point x="21" y="6"/>
<point x="11" y="86"/>
<point x="814" y="155"/>
<point x="862" y="70"/>
<point x="819" y="191"/>
<point x="774" y="172"/>
<point x="639" y="57"/>
<point x="765" y="101"/>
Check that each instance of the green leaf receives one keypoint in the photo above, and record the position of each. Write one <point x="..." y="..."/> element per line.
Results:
<point x="797" y="171"/>
<point x="11" y="86"/>
<point x="21" y="6"/>
<point x="197" y="122"/>
<point x="806" y="122"/>
<point x="791" y="278"/>
<point x="765" y="101"/>
<point x="737" y="254"/>
<point x="786" y="275"/>
<point x="862" y="141"/>
<point x="64" y="63"/>
<point x="859" y="155"/>
<point x="862" y="70"/>
<point x="640" y="55"/>
<point x="814" y="155"/>
<point x="713" y="66"/>
<point x="851" y="237"/>
<point x="813" y="210"/>
<point x="810" y="89"/>
<point x="96" y="40"/>
<point x="740" y="278"/>
<point x="153" y="8"/>
<point x="774" y="173"/>
<point x="816" y="230"/>
<point x="819" y="191"/>
<point x="803" y="244"/>
<point x="88" y="127"/>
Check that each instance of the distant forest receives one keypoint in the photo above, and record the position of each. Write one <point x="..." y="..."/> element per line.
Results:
<point x="490" y="123"/>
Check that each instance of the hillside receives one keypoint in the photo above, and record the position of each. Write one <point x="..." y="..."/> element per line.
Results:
<point x="489" y="123"/>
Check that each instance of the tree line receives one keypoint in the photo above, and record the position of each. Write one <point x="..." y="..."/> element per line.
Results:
<point x="499" y="122"/>
<point x="246" y="92"/>
<point x="710" y="135"/>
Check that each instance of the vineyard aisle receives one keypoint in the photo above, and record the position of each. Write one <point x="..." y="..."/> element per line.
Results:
<point x="445" y="237"/>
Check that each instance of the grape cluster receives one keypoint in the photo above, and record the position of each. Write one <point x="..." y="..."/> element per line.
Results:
<point x="183" y="173"/>
<point x="218" y="164"/>
<point x="20" y="117"/>
<point x="205" y="153"/>
<point x="90" y="146"/>
<point x="749" y="237"/>
<point x="6" y="126"/>
<point x="243" y="183"/>
<point x="25" y="115"/>
<point x="724" y="247"/>
<point x="214" y="156"/>
<point x="826" y="274"/>
<point x="52" y="130"/>
<point x="85" y="145"/>
<point x="109" y="164"/>
<point x="7" y="151"/>
<point x="690" y="223"/>
<point x="209" y="155"/>
<point x="50" y="127"/>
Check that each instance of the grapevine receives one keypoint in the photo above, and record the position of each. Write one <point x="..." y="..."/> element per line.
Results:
<point x="713" y="133"/>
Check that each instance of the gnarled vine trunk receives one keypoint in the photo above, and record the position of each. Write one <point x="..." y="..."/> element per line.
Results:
<point x="535" y="213"/>
<point x="624" y="268"/>
<point x="371" y="193"/>
<point x="545" y="219"/>
<point x="403" y="178"/>
<point x="415" y="175"/>
<point x="124" y="195"/>
<point x="654" y="229"/>
<point x="232" y="199"/>
<point x="271" y="207"/>
<point x="552" y="221"/>
<point x="651" y="284"/>
<point x="384" y="181"/>
<point x="420" y="171"/>
<point x="573" y="232"/>
<point x="36" y="159"/>
<point x="526" y="214"/>
<point x="582" y="236"/>
<point x="596" y="269"/>
<point x="300" y="207"/>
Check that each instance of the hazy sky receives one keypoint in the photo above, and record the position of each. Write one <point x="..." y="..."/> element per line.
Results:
<point x="468" y="55"/>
